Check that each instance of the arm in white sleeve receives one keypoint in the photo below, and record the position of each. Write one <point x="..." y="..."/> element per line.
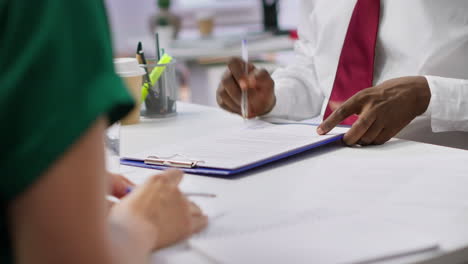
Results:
<point x="297" y="93"/>
<point x="448" y="108"/>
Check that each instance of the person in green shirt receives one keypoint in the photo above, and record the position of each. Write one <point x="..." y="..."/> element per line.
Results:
<point x="58" y="93"/>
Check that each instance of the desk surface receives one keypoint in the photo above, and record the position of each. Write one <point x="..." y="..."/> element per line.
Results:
<point x="390" y="172"/>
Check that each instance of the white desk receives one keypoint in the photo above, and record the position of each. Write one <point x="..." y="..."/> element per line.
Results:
<point x="384" y="169"/>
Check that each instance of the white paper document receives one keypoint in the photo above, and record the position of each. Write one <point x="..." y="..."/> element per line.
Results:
<point x="342" y="240"/>
<point x="250" y="144"/>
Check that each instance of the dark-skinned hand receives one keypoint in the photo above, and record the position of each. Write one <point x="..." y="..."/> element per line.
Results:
<point x="384" y="110"/>
<point x="258" y="84"/>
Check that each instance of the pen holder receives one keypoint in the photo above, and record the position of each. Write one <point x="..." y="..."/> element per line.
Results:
<point x="163" y="93"/>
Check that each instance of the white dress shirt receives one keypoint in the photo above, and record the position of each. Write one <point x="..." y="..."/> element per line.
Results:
<point x="416" y="38"/>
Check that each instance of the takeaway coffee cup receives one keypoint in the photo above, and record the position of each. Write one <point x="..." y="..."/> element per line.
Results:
<point x="206" y="23"/>
<point x="132" y="74"/>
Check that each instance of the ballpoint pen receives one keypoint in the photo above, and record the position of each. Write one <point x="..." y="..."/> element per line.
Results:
<point x="245" y="95"/>
<point x="188" y="194"/>
<point x="140" y="55"/>
<point x="156" y="74"/>
<point x="116" y="200"/>
<point x="195" y="194"/>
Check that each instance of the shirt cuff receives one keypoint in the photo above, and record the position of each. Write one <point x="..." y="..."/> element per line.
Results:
<point x="448" y="109"/>
<point x="280" y="110"/>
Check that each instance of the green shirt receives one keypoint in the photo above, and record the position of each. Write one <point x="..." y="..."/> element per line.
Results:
<point x="56" y="79"/>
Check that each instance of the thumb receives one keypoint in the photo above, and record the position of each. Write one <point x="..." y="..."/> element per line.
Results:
<point x="120" y="185"/>
<point x="173" y="176"/>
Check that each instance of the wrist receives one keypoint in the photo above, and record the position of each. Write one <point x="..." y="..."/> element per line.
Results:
<point x="127" y="227"/>
<point x="272" y="105"/>
<point x="423" y="94"/>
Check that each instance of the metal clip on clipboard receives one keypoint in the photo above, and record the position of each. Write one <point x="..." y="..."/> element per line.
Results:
<point x="172" y="161"/>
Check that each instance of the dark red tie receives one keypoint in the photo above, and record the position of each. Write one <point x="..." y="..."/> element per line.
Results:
<point x="356" y="66"/>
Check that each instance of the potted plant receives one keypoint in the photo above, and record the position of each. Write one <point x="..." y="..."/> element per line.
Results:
<point x="165" y="18"/>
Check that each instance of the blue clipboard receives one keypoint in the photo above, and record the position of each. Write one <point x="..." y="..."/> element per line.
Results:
<point x="220" y="172"/>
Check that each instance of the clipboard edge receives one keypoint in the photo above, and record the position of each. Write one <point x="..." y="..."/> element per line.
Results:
<point x="231" y="172"/>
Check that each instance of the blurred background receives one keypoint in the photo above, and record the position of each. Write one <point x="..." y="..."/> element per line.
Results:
<point x="203" y="34"/>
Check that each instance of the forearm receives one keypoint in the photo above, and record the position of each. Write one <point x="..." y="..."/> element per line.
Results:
<point x="448" y="108"/>
<point x="69" y="212"/>
<point x="293" y="102"/>
<point x="127" y="245"/>
<point x="298" y="93"/>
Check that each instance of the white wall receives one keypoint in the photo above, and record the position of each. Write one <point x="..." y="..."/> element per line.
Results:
<point x="289" y="14"/>
<point x="130" y="18"/>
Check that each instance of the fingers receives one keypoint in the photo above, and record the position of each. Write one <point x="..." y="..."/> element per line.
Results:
<point x="110" y="204"/>
<point x="386" y="135"/>
<point x="348" y="108"/>
<point x="199" y="223"/>
<point x="359" y="128"/>
<point x="261" y="93"/>
<point x="261" y="81"/>
<point x="372" y="133"/>
<point x="171" y="177"/>
<point x="239" y="73"/>
<point x="161" y="205"/>
<point x="226" y="102"/>
<point x="198" y="219"/>
<point x="229" y="92"/>
<point x="194" y="209"/>
<point x="127" y="181"/>
<point x="174" y="176"/>
<point x="232" y="89"/>
<point x="260" y="87"/>
<point x="120" y="185"/>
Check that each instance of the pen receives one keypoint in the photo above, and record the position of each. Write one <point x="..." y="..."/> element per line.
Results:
<point x="142" y="60"/>
<point x="158" y="48"/>
<point x="194" y="194"/>
<point x="156" y="75"/>
<point x="245" y="95"/>
<point x="140" y="55"/>
<point x="161" y="89"/>
<point x="188" y="194"/>
<point x="116" y="200"/>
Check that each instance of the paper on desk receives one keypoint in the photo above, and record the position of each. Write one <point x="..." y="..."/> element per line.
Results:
<point x="235" y="148"/>
<point x="345" y="240"/>
<point x="434" y="202"/>
<point x="311" y="122"/>
<point x="240" y="221"/>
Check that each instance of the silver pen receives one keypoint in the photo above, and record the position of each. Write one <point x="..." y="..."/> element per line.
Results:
<point x="114" y="199"/>
<point x="245" y="94"/>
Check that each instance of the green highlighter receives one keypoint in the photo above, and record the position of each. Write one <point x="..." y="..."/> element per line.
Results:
<point x="155" y="75"/>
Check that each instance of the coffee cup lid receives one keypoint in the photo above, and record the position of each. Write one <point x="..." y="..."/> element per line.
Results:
<point x="128" y="67"/>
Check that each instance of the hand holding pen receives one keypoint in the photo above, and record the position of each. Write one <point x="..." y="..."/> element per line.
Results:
<point x="159" y="209"/>
<point x="258" y="85"/>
